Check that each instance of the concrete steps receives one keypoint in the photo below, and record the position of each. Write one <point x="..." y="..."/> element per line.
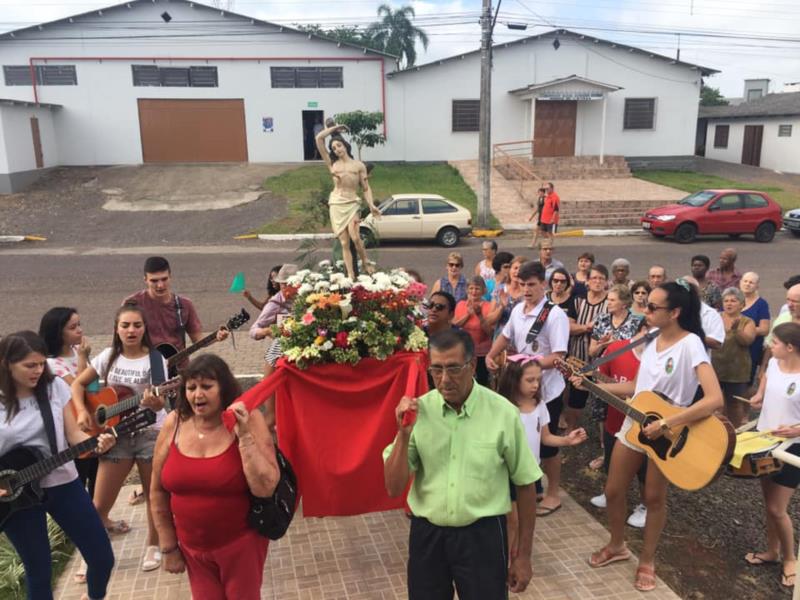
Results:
<point x="572" y="167"/>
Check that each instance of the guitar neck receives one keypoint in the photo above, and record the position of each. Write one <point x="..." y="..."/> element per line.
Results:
<point x="127" y="404"/>
<point x="177" y="358"/>
<point x="43" y="467"/>
<point x="614" y="401"/>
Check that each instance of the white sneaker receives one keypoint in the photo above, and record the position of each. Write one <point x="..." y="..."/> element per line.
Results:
<point x="638" y="516"/>
<point x="599" y="501"/>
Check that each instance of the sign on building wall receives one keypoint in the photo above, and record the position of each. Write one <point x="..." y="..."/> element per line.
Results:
<point x="267" y="124"/>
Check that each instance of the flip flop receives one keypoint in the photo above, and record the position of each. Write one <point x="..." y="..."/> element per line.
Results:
<point x="645" y="579"/>
<point x="118" y="527"/>
<point x="597" y="463"/>
<point x="546" y="511"/>
<point x="787" y="579"/>
<point x="753" y="558"/>
<point x="80" y="574"/>
<point x="135" y="497"/>
<point x="605" y="556"/>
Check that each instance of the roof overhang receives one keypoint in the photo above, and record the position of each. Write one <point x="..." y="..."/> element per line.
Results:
<point x="25" y="103"/>
<point x="572" y="87"/>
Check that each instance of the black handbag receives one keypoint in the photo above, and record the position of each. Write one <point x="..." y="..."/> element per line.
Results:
<point x="272" y="516"/>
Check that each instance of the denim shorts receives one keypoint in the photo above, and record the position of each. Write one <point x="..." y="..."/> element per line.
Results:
<point x="137" y="446"/>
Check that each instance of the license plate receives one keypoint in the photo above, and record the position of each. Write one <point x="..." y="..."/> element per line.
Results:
<point x="645" y="225"/>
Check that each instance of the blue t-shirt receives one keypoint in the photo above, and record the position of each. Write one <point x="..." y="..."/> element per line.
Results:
<point x="758" y="311"/>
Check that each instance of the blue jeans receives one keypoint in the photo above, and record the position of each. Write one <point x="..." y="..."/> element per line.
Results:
<point x="71" y="508"/>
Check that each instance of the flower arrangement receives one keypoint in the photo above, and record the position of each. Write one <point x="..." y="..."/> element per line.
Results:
<point x="337" y="320"/>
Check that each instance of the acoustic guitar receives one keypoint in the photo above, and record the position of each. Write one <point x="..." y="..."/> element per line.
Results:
<point x="690" y="456"/>
<point x="106" y="405"/>
<point x="23" y="467"/>
<point x="175" y="357"/>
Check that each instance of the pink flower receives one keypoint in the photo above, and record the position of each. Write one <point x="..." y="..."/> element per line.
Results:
<point x="341" y="339"/>
<point x="308" y="318"/>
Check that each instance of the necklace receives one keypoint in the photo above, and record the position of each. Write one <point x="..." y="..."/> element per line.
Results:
<point x="203" y="434"/>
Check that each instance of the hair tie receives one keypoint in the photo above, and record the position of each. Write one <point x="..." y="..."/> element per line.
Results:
<point x="683" y="283"/>
<point x="523" y="359"/>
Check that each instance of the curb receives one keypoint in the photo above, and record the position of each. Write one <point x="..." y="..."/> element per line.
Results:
<point x="10" y="239"/>
<point x="287" y="237"/>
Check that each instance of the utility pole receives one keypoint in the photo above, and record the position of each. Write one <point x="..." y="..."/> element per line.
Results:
<point x="484" y="123"/>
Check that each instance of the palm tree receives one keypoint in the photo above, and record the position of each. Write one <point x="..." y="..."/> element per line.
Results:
<point x="396" y="35"/>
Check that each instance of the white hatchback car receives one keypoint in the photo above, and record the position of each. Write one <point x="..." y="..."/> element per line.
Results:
<point x="417" y="216"/>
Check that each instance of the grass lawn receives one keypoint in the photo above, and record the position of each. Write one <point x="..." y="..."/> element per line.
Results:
<point x="12" y="573"/>
<point x="690" y="181"/>
<point x="298" y="184"/>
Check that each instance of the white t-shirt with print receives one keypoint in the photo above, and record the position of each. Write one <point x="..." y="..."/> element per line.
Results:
<point x="672" y="371"/>
<point x="27" y="429"/>
<point x="781" y="399"/>
<point x="533" y="422"/>
<point x="554" y="337"/>
<point x="64" y="366"/>
<point x="132" y="373"/>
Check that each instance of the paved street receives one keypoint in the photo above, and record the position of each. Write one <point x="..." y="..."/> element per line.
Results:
<point x="95" y="279"/>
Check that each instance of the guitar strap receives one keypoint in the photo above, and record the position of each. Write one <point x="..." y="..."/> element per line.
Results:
<point x="536" y="328"/>
<point x="157" y="375"/>
<point x="49" y="425"/>
<point x="181" y="327"/>
<point x="647" y="337"/>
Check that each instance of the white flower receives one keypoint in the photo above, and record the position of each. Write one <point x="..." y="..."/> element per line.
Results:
<point x="321" y="286"/>
<point x="305" y="289"/>
<point x="327" y="345"/>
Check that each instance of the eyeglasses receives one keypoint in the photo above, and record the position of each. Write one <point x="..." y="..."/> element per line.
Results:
<point x="436" y="306"/>
<point x="554" y="280"/>
<point x="454" y="265"/>
<point x="451" y="370"/>
<point x="654" y="307"/>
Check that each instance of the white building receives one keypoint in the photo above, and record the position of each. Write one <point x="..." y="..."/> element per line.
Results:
<point x="176" y="81"/>
<point x="762" y="133"/>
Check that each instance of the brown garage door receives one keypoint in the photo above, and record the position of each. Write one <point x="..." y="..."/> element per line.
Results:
<point x="193" y="130"/>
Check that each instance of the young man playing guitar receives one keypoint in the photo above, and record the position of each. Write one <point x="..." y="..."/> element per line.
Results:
<point x="169" y="317"/>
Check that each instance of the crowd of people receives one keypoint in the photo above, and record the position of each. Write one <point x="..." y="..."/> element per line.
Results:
<point x="497" y="415"/>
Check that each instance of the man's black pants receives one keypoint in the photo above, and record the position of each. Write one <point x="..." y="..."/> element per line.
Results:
<point x="474" y="558"/>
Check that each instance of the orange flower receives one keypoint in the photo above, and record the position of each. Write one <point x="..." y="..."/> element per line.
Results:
<point x="329" y="300"/>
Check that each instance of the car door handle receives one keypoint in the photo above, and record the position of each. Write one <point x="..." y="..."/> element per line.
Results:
<point x="416" y="217"/>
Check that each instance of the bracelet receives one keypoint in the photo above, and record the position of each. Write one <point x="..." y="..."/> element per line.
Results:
<point x="662" y="424"/>
<point x="170" y="551"/>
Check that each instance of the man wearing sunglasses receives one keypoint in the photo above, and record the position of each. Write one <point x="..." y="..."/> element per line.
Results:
<point x="463" y="445"/>
<point x="551" y="343"/>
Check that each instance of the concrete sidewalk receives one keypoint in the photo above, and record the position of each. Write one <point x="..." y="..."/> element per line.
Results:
<point x="364" y="558"/>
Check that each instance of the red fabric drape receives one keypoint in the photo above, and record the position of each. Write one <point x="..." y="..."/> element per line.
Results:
<point x="334" y="422"/>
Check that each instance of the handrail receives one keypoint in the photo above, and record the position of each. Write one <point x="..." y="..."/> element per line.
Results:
<point x="510" y="156"/>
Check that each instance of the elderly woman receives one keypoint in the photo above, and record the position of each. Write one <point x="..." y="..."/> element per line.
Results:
<point x="485" y="267"/>
<point x="454" y="283"/>
<point x="732" y="360"/>
<point x="639" y="292"/>
<point x="203" y="477"/>
<point x="617" y="323"/>
<point x="477" y="318"/>
<point x="620" y="272"/>
<point x="757" y="309"/>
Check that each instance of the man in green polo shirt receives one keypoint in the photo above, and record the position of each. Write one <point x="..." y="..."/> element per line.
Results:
<point x="465" y="445"/>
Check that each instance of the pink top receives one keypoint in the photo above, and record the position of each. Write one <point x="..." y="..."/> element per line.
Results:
<point x="481" y="339"/>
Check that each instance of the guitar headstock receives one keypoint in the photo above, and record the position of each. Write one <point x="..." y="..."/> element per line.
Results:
<point x="168" y="386"/>
<point x="237" y="320"/>
<point x="565" y="368"/>
<point x="138" y="420"/>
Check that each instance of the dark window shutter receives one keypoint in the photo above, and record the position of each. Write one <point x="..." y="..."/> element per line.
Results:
<point x="145" y="75"/>
<point x="307" y="77"/>
<point x="721" y="136"/>
<point x="639" y="113"/>
<point x="282" y="77"/>
<point x="174" y="76"/>
<point x="331" y="77"/>
<point x="466" y="115"/>
<point x="18" y="75"/>
<point x="203" y="76"/>
<point x="58" y="75"/>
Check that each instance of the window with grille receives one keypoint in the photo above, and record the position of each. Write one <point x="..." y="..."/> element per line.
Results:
<point x="721" y="133"/>
<point x="784" y="131"/>
<point x="306" y="77"/>
<point x="153" y="75"/>
<point x="640" y="113"/>
<point x="466" y="115"/>
<point x="45" y="75"/>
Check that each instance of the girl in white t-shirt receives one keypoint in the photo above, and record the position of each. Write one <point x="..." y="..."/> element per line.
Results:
<point x="25" y="384"/>
<point x="778" y="397"/>
<point x="521" y="384"/>
<point x="126" y="363"/>
<point x="674" y="364"/>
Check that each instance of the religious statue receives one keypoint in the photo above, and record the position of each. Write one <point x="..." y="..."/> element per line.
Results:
<point x="344" y="204"/>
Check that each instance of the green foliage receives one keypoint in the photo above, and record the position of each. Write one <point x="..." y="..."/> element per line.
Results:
<point x="396" y="35"/>
<point x="363" y="127"/>
<point x="344" y="34"/>
<point x="711" y="97"/>
<point x="691" y="182"/>
<point x="12" y="572"/>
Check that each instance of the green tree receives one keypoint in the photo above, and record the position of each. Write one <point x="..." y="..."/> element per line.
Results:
<point x="711" y="97"/>
<point x="343" y="33"/>
<point x="396" y="34"/>
<point x="363" y="128"/>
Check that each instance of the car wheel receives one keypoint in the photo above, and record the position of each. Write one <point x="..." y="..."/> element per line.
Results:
<point x="447" y="237"/>
<point x="795" y="232"/>
<point x="765" y="232"/>
<point x="367" y="237"/>
<point x="685" y="233"/>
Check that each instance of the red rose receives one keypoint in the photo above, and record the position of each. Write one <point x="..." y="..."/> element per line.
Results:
<point x="341" y="339"/>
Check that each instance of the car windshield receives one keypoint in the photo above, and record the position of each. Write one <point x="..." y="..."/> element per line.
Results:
<point x="697" y="199"/>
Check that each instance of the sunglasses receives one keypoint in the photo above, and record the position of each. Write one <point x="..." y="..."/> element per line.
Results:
<point x="436" y="306"/>
<point x="454" y="265"/>
<point x="554" y="280"/>
<point x="654" y="307"/>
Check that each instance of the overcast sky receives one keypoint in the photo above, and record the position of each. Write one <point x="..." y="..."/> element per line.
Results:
<point x="453" y="27"/>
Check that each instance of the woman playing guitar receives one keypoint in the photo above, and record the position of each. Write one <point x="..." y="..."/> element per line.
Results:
<point x="127" y="363"/>
<point x="26" y="384"/>
<point x="674" y="365"/>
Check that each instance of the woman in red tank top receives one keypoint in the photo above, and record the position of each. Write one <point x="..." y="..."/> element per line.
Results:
<point x="202" y="481"/>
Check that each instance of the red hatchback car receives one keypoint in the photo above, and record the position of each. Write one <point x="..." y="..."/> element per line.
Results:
<point x="731" y="212"/>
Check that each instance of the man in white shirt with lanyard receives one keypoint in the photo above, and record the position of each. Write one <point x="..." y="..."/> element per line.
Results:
<point x="546" y="337"/>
